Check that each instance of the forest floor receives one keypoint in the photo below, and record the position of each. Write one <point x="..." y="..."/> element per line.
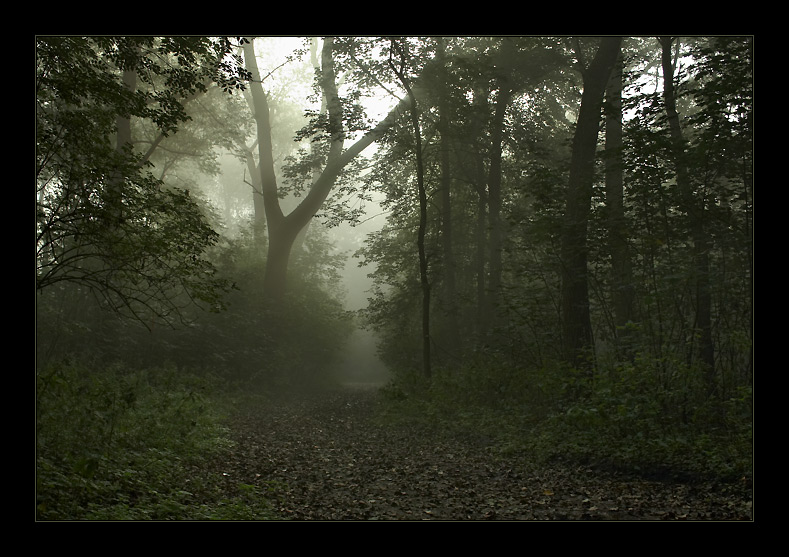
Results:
<point x="325" y="457"/>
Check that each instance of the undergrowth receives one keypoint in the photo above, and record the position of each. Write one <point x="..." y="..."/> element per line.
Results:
<point x="120" y="444"/>
<point x="630" y="418"/>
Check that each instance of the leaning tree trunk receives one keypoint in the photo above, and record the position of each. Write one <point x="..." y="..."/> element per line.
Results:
<point x="281" y="233"/>
<point x="576" y="319"/>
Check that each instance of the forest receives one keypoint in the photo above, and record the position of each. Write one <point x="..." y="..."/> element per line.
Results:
<point x="353" y="278"/>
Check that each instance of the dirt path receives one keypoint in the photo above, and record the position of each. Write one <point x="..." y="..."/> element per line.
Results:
<point x="329" y="461"/>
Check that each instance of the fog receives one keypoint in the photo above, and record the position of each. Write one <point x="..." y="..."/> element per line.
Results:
<point x="359" y="362"/>
<point x="232" y="196"/>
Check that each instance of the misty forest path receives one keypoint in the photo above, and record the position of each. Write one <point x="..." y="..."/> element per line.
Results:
<point x="324" y="457"/>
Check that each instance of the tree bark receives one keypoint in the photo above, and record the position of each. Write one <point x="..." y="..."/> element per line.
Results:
<point x="576" y="319"/>
<point x="505" y="83"/>
<point x="280" y="235"/>
<point x="259" y="222"/>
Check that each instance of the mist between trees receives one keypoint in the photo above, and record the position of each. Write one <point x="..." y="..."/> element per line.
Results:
<point x="558" y="223"/>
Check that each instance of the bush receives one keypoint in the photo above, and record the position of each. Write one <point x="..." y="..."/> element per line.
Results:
<point x="116" y="444"/>
<point x="650" y="417"/>
<point x="656" y="418"/>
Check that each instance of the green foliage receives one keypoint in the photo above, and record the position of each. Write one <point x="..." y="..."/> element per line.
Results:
<point x="113" y="443"/>
<point x="102" y="220"/>
<point x="259" y="345"/>
<point x="83" y="72"/>
<point x="655" y="417"/>
<point x="648" y="417"/>
<point x="649" y="403"/>
<point x="116" y="444"/>
<point x="247" y="342"/>
<point x="142" y="265"/>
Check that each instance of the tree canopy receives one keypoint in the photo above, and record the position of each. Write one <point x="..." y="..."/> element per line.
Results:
<point x="103" y="220"/>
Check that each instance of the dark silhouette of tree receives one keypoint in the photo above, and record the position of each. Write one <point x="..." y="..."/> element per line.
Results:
<point x="622" y="290"/>
<point x="577" y="327"/>
<point x="401" y="50"/>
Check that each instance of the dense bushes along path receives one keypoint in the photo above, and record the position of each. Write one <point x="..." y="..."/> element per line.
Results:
<point x="322" y="457"/>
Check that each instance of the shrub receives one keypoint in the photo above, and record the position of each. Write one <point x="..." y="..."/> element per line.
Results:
<point x="113" y="443"/>
<point x="653" y="417"/>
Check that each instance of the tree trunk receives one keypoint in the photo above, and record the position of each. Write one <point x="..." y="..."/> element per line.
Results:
<point x="259" y="217"/>
<point x="479" y="180"/>
<point x="280" y="245"/>
<point x="576" y="320"/>
<point x="506" y="88"/>
<point x="694" y="207"/>
<point x="495" y="202"/>
<point x="449" y="270"/>
<point x="280" y="240"/>
<point x="283" y="229"/>
<point x="123" y="122"/>
<point x="622" y="292"/>
<point x="422" y="193"/>
<point x="423" y="279"/>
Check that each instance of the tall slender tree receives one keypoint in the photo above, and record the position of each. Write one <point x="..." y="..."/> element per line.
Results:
<point x="447" y="230"/>
<point x="576" y="319"/>
<point x="400" y="48"/>
<point x="622" y="291"/>
<point x="694" y="205"/>
<point x="495" y="223"/>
